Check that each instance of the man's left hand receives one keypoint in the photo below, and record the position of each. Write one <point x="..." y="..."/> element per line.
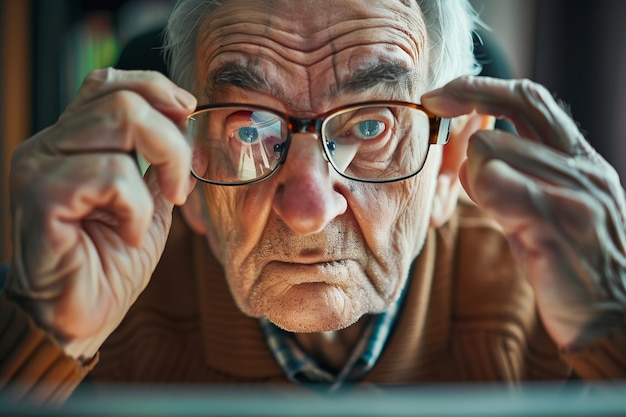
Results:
<point x="560" y="204"/>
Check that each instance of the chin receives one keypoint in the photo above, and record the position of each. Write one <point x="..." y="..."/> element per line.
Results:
<point x="313" y="308"/>
<point x="310" y="324"/>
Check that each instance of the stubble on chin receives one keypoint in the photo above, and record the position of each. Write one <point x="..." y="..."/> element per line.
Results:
<point x="314" y="298"/>
<point x="313" y="308"/>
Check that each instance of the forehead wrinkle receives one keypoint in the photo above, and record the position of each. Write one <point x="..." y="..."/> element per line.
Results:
<point x="267" y="38"/>
<point x="260" y="39"/>
<point x="298" y="45"/>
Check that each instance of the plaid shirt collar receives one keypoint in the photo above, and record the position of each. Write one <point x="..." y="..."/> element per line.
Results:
<point x="301" y="368"/>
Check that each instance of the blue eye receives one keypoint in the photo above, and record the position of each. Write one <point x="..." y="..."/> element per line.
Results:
<point x="248" y="134"/>
<point x="370" y="128"/>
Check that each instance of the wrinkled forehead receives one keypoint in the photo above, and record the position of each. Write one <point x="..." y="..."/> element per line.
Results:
<point x="320" y="43"/>
<point x="308" y="17"/>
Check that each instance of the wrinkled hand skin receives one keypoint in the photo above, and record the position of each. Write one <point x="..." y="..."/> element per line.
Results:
<point x="560" y="204"/>
<point x="88" y="230"/>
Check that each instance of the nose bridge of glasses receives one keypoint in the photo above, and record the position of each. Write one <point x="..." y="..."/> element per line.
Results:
<point x="310" y="126"/>
<point x="304" y="125"/>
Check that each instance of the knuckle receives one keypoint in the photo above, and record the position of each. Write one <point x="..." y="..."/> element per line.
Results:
<point x="126" y="102"/>
<point x="120" y="173"/>
<point x="611" y="176"/>
<point x="95" y="77"/>
<point x="25" y="168"/>
<point x="471" y="83"/>
<point x="127" y="110"/>
<point x="532" y="92"/>
<point x="150" y="80"/>
<point x="154" y="76"/>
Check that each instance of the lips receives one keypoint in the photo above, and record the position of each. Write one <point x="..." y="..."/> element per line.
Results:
<point x="333" y="272"/>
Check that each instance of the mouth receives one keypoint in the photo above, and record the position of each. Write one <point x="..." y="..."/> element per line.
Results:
<point x="333" y="272"/>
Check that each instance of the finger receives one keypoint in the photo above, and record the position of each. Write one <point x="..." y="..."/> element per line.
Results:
<point x="123" y="122"/>
<point x="74" y="198"/>
<point x="552" y="229"/>
<point x="556" y="173"/>
<point x="592" y="175"/>
<point x="524" y="205"/>
<point x="529" y="106"/>
<point x="103" y="188"/>
<point x="154" y="87"/>
<point x="530" y="158"/>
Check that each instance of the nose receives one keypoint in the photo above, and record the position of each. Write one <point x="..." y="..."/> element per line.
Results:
<point x="306" y="198"/>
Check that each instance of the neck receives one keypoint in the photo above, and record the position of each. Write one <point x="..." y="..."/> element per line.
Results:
<point x="331" y="350"/>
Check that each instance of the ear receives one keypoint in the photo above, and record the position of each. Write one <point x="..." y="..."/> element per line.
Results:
<point x="192" y="211"/>
<point x="454" y="153"/>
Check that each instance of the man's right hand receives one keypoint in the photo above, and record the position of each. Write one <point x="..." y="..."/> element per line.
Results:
<point x="88" y="230"/>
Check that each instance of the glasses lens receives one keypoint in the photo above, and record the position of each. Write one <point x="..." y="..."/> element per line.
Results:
<point x="377" y="142"/>
<point x="234" y="145"/>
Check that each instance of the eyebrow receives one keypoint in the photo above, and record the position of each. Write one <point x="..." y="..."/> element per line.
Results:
<point x="382" y="74"/>
<point x="393" y="77"/>
<point x="236" y="75"/>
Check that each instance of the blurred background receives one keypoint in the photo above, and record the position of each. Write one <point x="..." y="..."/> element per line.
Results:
<point x="576" y="48"/>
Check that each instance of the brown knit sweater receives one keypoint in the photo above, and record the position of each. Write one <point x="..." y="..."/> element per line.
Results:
<point x="469" y="315"/>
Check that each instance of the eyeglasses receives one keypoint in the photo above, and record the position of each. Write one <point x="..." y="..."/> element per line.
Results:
<point x="377" y="141"/>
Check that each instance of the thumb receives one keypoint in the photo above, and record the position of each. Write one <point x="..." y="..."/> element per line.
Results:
<point x="162" y="214"/>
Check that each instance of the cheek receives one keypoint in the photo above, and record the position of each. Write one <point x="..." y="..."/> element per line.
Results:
<point x="237" y="217"/>
<point x="220" y="220"/>
<point x="394" y="219"/>
<point x="413" y="218"/>
<point x="397" y="218"/>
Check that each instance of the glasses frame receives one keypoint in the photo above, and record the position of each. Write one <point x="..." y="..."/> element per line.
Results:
<point x="439" y="134"/>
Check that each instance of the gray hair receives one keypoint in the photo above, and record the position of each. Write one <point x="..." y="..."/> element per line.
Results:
<point x="450" y="24"/>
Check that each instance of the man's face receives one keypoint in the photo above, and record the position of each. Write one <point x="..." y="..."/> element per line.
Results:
<point x="307" y="248"/>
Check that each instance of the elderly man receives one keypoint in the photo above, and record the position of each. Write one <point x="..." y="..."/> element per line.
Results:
<point x="324" y="236"/>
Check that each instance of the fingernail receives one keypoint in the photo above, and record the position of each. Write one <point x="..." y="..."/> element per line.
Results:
<point x="432" y="93"/>
<point x="103" y="74"/>
<point x="185" y="98"/>
<point x="437" y="103"/>
<point x="431" y="99"/>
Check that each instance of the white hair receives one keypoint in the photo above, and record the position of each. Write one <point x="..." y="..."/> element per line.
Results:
<point x="450" y="25"/>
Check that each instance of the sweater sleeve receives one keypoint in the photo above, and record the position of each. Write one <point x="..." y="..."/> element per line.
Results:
<point x="603" y="359"/>
<point x="33" y="366"/>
